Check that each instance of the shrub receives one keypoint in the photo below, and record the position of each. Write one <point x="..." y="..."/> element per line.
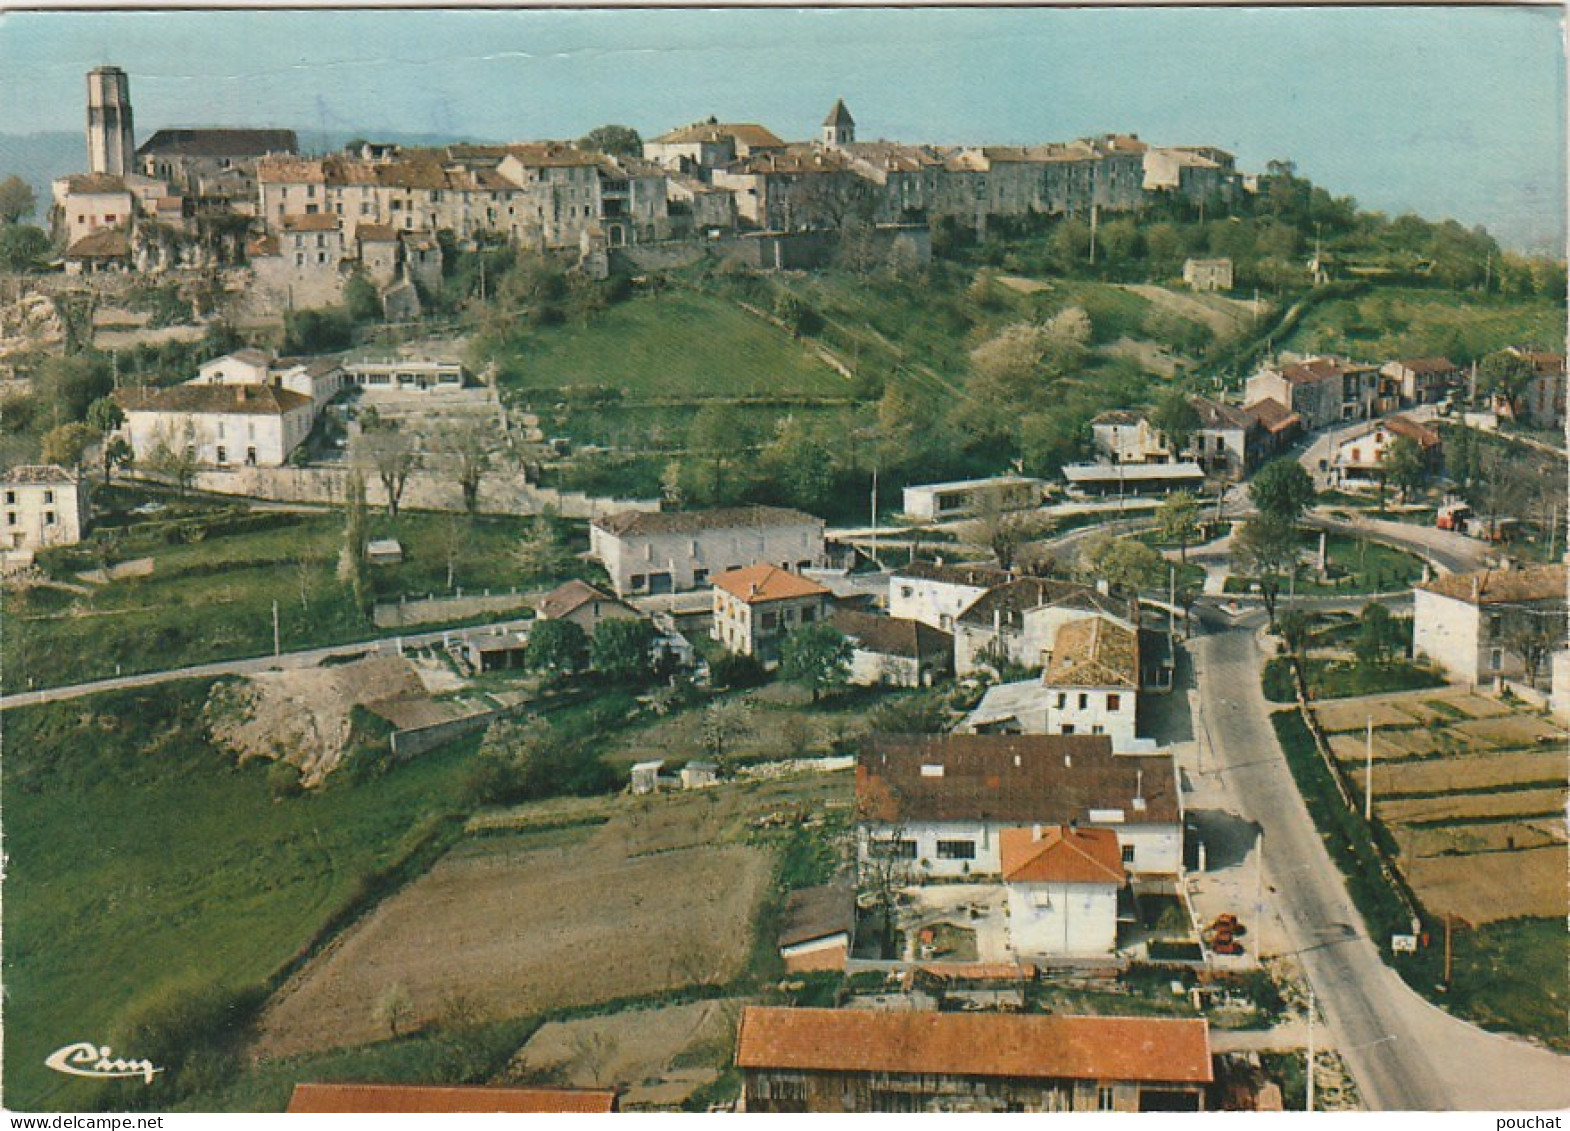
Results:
<point x="731" y="671"/>
<point x="283" y="780"/>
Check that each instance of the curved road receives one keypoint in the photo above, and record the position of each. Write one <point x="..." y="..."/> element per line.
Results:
<point x="1405" y="1054"/>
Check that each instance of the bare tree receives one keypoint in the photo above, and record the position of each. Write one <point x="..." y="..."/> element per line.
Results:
<point x="390" y="453"/>
<point x="724" y="721"/>
<point x="395" y="1008"/>
<point x="465" y="449"/>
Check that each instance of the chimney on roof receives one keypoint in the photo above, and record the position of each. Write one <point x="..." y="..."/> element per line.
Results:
<point x="1035" y="832"/>
<point x="240" y="392"/>
<point x="1068" y="761"/>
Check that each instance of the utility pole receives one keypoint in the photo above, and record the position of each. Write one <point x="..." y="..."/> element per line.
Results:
<point x="1447" y="950"/>
<point x="1094" y="216"/>
<point x="1368" y="772"/>
<point x="874" y="514"/>
<point x="277" y="641"/>
<point x="1309" y="1106"/>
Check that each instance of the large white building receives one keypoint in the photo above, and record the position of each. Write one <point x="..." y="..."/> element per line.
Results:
<point x="934" y="502"/>
<point x="45" y="505"/>
<point x="1091" y="680"/>
<point x="673" y="551"/>
<point x="937" y="594"/>
<point x="1488" y="624"/>
<point x="219" y="425"/>
<point x="938" y="804"/>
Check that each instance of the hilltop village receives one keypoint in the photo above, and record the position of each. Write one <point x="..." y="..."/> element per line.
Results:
<point x="715" y="623"/>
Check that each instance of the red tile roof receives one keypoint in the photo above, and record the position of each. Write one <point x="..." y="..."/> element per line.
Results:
<point x="408" y="1099"/>
<point x="219" y="143"/>
<point x="1420" y="434"/>
<point x="1148" y="1050"/>
<point x="1061" y="855"/>
<point x="756" y="584"/>
<point x="37" y="473"/>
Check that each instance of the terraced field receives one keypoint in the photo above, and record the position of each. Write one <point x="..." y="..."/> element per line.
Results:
<point x="1473" y="793"/>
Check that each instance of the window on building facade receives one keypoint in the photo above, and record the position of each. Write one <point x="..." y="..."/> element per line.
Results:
<point x="1114" y="702"/>
<point x="1066" y="728"/>
<point x="1084" y="701"/>
<point x="1128" y="854"/>
<point x="638" y="581"/>
<point x="49" y="518"/>
<point x="1104" y="1100"/>
<point x="49" y="497"/>
<point x="10" y="518"/>
<point x="956" y="850"/>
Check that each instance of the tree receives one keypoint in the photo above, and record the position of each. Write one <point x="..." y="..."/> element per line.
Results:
<point x="1122" y="562"/>
<point x="1293" y="628"/>
<point x="1405" y="466"/>
<point x="613" y="141"/>
<point x="1266" y="549"/>
<point x="464" y="450"/>
<point x="174" y="457"/>
<point x="356" y="537"/>
<point x="1282" y="490"/>
<point x="1179" y="518"/>
<point x="715" y="435"/>
<point x="817" y="656"/>
<point x="1006" y="531"/>
<point x="724" y="721"/>
<point x="620" y="649"/>
<point x="1532" y="634"/>
<point x="105" y="416"/>
<point x="1175" y="418"/>
<point x="360" y="298"/>
<point x="395" y="1008"/>
<point x="556" y="646"/>
<point x="22" y="247"/>
<point x="117" y="453"/>
<point x="16" y="200"/>
<point x="317" y="331"/>
<point x="67" y="443"/>
<point x="389" y="451"/>
<point x="541" y="554"/>
<point x="1379" y="635"/>
<point x="67" y="386"/>
<point x="1505" y="374"/>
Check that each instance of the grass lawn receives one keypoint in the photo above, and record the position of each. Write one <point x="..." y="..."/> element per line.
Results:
<point x="141" y="858"/>
<point x="676" y="344"/>
<point x="1390" y="322"/>
<point x="1338" y="679"/>
<point x="213" y="599"/>
<point x="1354" y="566"/>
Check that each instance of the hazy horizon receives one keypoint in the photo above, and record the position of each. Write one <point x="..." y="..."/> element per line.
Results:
<point x="1446" y="112"/>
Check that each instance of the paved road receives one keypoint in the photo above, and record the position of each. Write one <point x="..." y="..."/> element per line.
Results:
<point x="305" y="659"/>
<point x="1405" y="1054"/>
<point x="1451" y="552"/>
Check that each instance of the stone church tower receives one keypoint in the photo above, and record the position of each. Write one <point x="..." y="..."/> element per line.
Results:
<point x="839" y="128"/>
<point x="111" y="139"/>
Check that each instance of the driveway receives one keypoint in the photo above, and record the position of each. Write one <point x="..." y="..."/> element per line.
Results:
<point x="1406" y="1054"/>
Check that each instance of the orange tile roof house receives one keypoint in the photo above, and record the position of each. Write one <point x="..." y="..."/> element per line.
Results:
<point x="1063" y="885"/>
<point x="756" y="607"/>
<point x="827" y="1060"/>
<point x="412" y="1099"/>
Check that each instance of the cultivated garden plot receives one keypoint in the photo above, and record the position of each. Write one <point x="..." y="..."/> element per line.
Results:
<point x="1472" y="790"/>
<point x="661" y="895"/>
<point x="1492" y="886"/>
<point x="1471" y="772"/>
<point x="524" y="929"/>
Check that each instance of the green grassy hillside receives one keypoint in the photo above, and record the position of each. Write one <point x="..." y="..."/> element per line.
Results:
<point x="1388" y="322"/>
<point x="141" y="859"/>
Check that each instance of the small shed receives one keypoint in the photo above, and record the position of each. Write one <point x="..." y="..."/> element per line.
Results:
<point x="696" y="775"/>
<point x="818" y="928"/>
<point x="646" y="776"/>
<point x="497" y="650"/>
<point x="384" y="551"/>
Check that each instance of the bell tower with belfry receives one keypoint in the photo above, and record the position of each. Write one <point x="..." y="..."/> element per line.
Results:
<point x="111" y="138"/>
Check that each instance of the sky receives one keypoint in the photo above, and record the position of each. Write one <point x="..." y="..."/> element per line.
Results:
<point x="1456" y="112"/>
